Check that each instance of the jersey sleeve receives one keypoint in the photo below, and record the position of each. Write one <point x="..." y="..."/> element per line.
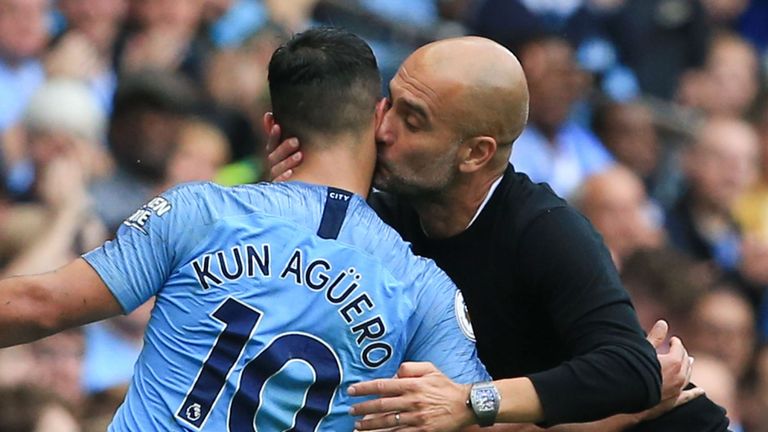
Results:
<point x="146" y="248"/>
<point x="443" y="334"/>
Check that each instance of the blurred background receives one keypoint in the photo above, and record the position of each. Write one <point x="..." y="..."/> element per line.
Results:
<point x="651" y="116"/>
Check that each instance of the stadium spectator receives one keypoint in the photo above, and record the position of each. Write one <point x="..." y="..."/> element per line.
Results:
<point x="714" y="377"/>
<point x="16" y="366"/>
<point x="513" y="20"/>
<point x="63" y="130"/>
<point x="753" y="399"/>
<point x="149" y="109"/>
<point x="58" y="361"/>
<point x="728" y="83"/>
<point x="665" y="283"/>
<point x="62" y="122"/>
<point x="85" y="50"/>
<point x="660" y="40"/>
<point x="165" y="35"/>
<point x="752" y="208"/>
<point x="201" y="151"/>
<point x="628" y="130"/>
<point x="23" y="36"/>
<point x="291" y="17"/>
<point x="719" y="167"/>
<point x="553" y="148"/>
<point x="617" y="205"/>
<point x="29" y="409"/>
<point x="722" y="325"/>
<point x="724" y="14"/>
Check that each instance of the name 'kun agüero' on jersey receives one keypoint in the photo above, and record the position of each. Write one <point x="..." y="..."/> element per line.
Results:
<point x="318" y="276"/>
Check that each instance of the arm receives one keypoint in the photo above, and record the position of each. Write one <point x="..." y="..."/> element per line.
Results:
<point x="676" y="367"/>
<point x="438" y="396"/>
<point x="608" y="363"/>
<point x="32" y="307"/>
<point x="424" y="397"/>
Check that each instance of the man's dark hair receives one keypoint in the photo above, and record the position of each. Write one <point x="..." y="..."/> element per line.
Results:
<point x="135" y="148"/>
<point x="323" y="81"/>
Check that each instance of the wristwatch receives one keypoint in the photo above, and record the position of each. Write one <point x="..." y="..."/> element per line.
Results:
<point x="484" y="400"/>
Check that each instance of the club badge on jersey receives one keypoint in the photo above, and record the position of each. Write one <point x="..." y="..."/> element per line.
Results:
<point x="462" y="316"/>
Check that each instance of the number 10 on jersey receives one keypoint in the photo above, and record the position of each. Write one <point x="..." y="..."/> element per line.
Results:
<point x="239" y="322"/>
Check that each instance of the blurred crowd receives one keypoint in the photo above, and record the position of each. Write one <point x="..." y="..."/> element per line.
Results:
<point x="650" y="116"/>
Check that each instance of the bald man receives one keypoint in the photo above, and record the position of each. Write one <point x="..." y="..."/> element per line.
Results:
<point x="616" y="203"/>
<point x="552" y="322"/>
<point x="719" y="167"/>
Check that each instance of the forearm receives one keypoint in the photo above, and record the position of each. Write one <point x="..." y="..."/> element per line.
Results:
<point x="609" y="368"/>
<point x="32" y="307"/>
<point x="599" y="384"/>
<point x="519" y="401"/>
<point x="24" y="312"/>
<point x="617" y="423"/>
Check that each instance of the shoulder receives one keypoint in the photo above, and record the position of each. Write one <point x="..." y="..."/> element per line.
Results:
<point x="377" y="237"/>
<point x="518" y="202"/>
<point x="214" y="202"/>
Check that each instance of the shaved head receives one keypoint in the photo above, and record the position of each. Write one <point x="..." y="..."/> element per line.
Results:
<point x="456" y="107"/>
<point x="479" y="84"/>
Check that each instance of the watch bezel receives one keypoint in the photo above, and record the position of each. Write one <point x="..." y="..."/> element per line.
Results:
<point x="484" y="400"/>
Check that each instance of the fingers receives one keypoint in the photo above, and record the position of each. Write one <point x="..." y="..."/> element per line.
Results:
<point x="379" y="387"/>
<point x="368" y="417"/>
<point x="676" y="369"/>
<point x="283" y="157"/>
<point x="676" y="349"/>
<point x="284" y="168"/>
<point x="658" y="333"/>
<point x="391" y="421"/>
<point x="689" y="395"/>
<point x="379" y="406"/>
<point x="688" y="372"/>
<point x="415" y="369"/>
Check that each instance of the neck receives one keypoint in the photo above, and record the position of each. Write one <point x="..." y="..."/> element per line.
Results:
<point x="346" y="164"/>
<point x="448" y="213"/>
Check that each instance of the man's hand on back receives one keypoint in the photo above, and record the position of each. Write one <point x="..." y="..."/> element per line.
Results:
<point x="421" y="397"/>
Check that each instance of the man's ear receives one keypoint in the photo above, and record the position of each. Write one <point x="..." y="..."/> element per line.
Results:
<point x="268" y="121"/>
<point x="378" y="115"/>
<point x="476" y="153"/>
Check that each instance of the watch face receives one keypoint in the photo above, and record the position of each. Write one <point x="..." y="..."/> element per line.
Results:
<point x="486" y="399"/>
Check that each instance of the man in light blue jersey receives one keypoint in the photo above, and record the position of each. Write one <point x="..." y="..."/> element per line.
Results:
<point x="270" y="299"/>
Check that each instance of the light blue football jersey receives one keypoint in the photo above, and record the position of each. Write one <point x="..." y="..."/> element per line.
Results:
<point x="270" y="300"/>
